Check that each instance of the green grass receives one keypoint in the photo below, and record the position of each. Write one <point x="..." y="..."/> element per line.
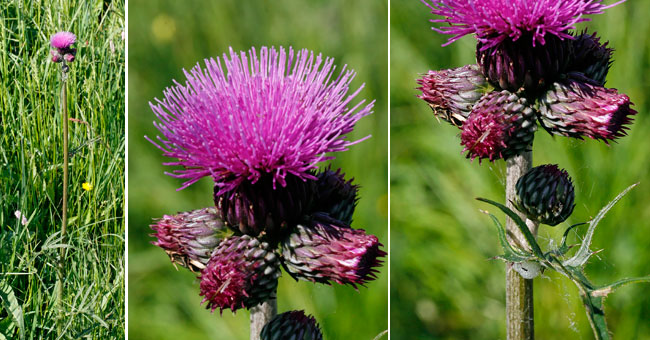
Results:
<point x="442" y="284"/>
<point x="171" y="35"/>
<point x="31" y="170"/>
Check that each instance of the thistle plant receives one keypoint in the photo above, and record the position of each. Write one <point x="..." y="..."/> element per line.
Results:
<point x="259" y="128"/>
<point x="63" y="53"/>
<point x="531" y="66"/>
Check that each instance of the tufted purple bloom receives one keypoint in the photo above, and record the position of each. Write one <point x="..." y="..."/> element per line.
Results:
<point x="276" y="113"/>
<point x="494" y="21"/>
<point x="62" y="40"/>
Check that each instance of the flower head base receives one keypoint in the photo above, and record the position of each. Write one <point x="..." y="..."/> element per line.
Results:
<point x="242" y="272"/>
<point x="272" y="114"/>
<point x="494" y="21"/>
<point x="189" y="238"/>
<point x="255" y="208"/>
<point x="327" y="251"/>
<point x="515" y="65"/>
<point x="292" y="325"/>
<point x="577" y="108"/>
<point x="336" y="196"/>
<point x="451" y="94"/>
<point x="545" y="194"/>
<point x="62" y="43"/>
<point x="501" y="125"/>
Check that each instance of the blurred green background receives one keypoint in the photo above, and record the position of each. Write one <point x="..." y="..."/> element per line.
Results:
<point x="167" y="36"/>
<point x="442" y="284"/>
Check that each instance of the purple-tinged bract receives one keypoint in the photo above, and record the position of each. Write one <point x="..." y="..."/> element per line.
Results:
<point x="493" y="21"/>
<point x="328" y="251"/>
<point x="62" y="40"/>
<point x="248" y="115"/>
<point x="578" y="108"/>
<point x="242" y="272"/>
<point x="294" y="325"/>
<point x="256" y="207"/>
<point x="189" y="238"/>
<point x="501" y="125"/>
<point x="451" y="94"/>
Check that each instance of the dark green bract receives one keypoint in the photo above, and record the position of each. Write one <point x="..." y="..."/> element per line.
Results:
<point x="545" y="194"/>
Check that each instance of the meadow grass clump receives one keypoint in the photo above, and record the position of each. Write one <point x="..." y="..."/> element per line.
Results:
<point x="31" y="171"/>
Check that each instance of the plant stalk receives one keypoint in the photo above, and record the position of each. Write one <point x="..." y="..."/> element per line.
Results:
<point x="519" y="291"/>
<point x="64" y="213"/>
<point x="262" y="314"/>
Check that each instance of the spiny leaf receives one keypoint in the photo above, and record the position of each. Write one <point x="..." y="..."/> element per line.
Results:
<point x="583" y="254"/>
<point x="510" y="254"/>
<point x="521" y="224"/>
<point x="564" y="248"/>
<point x="10" y="303"/>
<point x="606" y="290"/>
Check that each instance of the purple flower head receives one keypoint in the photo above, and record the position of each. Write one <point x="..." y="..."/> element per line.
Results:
<point x="274" y="113"/>
<point x="62" y="40"/>
<point x="493" y="21"/>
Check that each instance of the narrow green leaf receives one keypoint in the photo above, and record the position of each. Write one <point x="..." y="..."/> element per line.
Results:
<point x="605" y="290"/>
<point x="511" y="253"/>
<point x="583" y="254"/>
<point x="564" y="248"/>
<point x="537" y="251"/>
<point x="10" y="303"/>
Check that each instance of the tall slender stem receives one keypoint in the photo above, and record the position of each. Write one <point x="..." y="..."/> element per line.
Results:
<point x="519" y="291"/>
<point x="64" y="213"/>
<point x="262" y="314"/>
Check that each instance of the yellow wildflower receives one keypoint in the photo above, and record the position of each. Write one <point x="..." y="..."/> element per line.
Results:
<point x="87" y="186"/>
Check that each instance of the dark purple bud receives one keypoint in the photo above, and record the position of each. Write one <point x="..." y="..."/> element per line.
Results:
<point x="590" y="57"/>
<point x="501" y="125"/>
<point x="452" y="93"/>
<point x="336" y="196"/>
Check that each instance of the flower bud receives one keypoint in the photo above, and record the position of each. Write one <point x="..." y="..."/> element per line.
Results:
<point x="327" y="251"/>
<point x="242" y="272"/>
<point x="292" y="325"/>
<point x="452" y="93"/>
<point x="578" y="108"/>
<point x="501" y="125"/>
<point x="590" y="57"/>
<point x="335" y="196"/>
<point x="545" y="194"/>
<point x="189" y="238"/>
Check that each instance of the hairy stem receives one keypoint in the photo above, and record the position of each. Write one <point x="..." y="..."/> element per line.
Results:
<point x="261" y="315"/>
<point x="519" y="291"/>
<point x="64" y="213"/>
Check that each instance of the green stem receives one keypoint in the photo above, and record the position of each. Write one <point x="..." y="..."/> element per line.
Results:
<point x="519" y="291"/>
<point x="64" y="213"/>
<point x="261" y="315"/>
